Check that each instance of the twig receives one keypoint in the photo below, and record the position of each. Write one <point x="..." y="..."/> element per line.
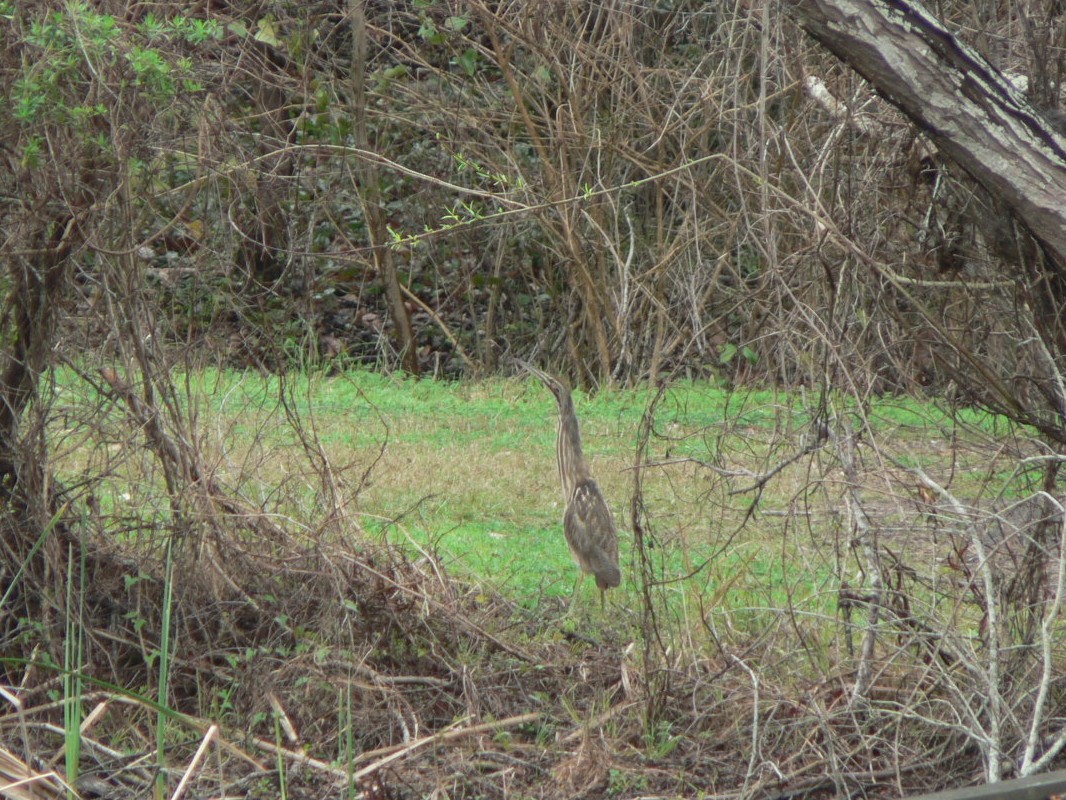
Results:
<point x="759" y="479"/>
<point x="992" y="741"/>
<point x="302" y="758"/>
<point x="753" y="758"/>
<point x="441" y="324"/>
<point x="387" y="755"/>
<point x="209" y="737"/>
<point x="866" y="538"/>
<point x="176" y="453"/>
<point x="462" y="620"/>
<point x="1031" y="765"/>
<point x="443" y="736"/>
<point x="380" y="679"/>
<point x="596" y="721"/>
<point x="283" y="718"/>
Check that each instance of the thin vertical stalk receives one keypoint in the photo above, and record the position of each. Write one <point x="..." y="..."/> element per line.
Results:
<point x="73" y="649"/>
<point x="164" y="671"/>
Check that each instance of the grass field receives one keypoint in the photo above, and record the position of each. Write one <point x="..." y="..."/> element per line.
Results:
<point x="770" y="524"/>
<point x="467" y="472"/>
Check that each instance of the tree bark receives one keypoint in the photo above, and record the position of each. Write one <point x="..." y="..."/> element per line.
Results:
<point x="962" y="101"/>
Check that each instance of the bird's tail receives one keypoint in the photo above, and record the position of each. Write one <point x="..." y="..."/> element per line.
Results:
<point x="607" y="576"/>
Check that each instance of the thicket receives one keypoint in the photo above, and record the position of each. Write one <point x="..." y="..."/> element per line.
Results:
<point x="626" y="192"/>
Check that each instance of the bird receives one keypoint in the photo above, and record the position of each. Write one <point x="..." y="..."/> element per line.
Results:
<point x="587" y="523"/>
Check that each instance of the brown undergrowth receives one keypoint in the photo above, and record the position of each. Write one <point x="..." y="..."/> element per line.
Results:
<point x="337" y="669"/>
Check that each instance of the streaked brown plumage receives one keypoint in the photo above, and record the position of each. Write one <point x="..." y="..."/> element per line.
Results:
<point x="588" y="522"/>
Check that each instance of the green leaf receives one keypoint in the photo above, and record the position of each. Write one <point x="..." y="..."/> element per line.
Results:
<point x="267" y="32"/>
<point x="468" y="61"/>
<point x="152" y="27"/>
<point x="429" y="33"/>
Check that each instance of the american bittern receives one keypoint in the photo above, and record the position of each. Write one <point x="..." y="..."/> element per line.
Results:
<point x="587" y="523"/>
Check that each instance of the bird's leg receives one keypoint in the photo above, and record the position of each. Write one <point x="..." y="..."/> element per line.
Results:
<point x="574" y="593"/>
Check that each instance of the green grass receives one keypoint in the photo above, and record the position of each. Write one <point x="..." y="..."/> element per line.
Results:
<point x="467" y="470"/>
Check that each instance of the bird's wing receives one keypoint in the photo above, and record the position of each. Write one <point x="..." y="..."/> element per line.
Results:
<point x="591" y="534"/>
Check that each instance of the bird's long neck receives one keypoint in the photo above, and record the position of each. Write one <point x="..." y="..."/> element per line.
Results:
<point x="572" y="466"/>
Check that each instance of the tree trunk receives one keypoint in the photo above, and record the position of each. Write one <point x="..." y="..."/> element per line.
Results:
<point x="31" y="310"/>
<point x="370" y="178"/>
<point x="963" y="102"/>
